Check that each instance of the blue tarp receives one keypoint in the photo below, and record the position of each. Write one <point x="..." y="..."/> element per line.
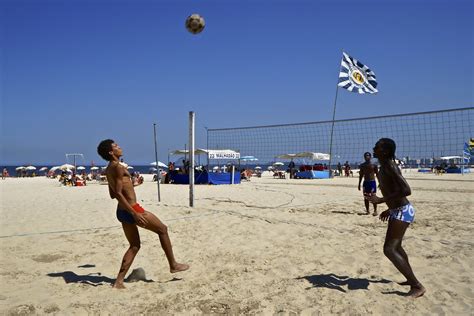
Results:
<point x="205" y="178"/>
<point x="312" y="174"/>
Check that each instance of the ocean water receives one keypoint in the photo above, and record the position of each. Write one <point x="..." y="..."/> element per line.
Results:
<point x="140" y="168"/>
<point x="13" y="173"/>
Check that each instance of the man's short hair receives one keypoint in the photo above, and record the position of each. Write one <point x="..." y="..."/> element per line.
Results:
<point x="104" y="148"/>
<point x="389" y="147"/>
<point x="367" y="154"/>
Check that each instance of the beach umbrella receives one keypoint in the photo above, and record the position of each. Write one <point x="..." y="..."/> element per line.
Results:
<point x="53" y="169"/>
<point x="270" y="168"/>
<point x="160" y="164"/>
<point x="30" y="168"/>
<point x="215" y="168"/>
<point x="153" y="169"/>
<point x="66" y="166"/>
<point x="19" y="168"/>
<point x="278" y="163"/>
<point x="94" y="168"/>
<point x="43" y="169"/>
<point x="81" y="168"/>
<point x="258" y="167"/>
<point x="129" y="167"/>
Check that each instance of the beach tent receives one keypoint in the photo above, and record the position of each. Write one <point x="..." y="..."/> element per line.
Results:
<point x="310" y="174"/>
<point x="313" y="156"/>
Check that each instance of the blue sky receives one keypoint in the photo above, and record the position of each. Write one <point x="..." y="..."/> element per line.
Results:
<point x="76" y="72"/>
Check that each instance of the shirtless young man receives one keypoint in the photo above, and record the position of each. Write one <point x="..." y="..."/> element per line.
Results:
<point x="130" y="213"/>
<point x="368" y="171"/>
<point x="400" y="214"/>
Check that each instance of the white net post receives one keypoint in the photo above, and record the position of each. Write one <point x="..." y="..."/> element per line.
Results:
<point x="191" y="158"/>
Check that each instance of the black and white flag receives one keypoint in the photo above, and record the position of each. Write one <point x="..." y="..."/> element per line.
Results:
<point x="356" y="77"/>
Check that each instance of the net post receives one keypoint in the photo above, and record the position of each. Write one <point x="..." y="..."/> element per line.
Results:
<point x="191" y="158"/>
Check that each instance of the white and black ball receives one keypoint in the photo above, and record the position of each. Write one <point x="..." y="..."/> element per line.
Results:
<point x="195" y="23"/>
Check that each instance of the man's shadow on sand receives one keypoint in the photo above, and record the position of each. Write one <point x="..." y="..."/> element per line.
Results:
<point x="94" y="279"/>
<point x="336" y="282"/>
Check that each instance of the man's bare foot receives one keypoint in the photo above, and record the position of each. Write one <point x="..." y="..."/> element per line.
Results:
<point x="403" y="283"/>
<point x="375" y="213"/>
<point x="119" y="285"/>
<point x="416" y="291"/>
<point x="179" y="267"/>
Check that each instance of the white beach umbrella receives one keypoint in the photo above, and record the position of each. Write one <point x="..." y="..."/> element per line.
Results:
<point x="43" y="169"/>
<point x="215" y="167"/>
<point x="278" y="163"/>
<point x="129" y="167"/>
<point x="153" y="169"/>
<point x="160" y="164"/>
<point x="66" y="167"/>
<point x="81" y="168"/>
<point x="54" y="168"/>
<point x="19" y="168"/>
<point x="94" y="168"/>
<point x="258" y="167"/>
<point x="30" y="168"/>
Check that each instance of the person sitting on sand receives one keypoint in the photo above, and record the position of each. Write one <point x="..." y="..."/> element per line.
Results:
<point x="400" y="214"/>
<point x="131" y="214"/>
<point x="368" y="171"/>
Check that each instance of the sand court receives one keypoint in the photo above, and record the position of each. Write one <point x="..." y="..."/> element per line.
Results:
<point x="262" y="247"/>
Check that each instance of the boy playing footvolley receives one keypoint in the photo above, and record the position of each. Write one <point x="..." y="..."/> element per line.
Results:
<point x="130" y="213"/>
<point x="400" y="214"/>
<point x="368" y="171"/>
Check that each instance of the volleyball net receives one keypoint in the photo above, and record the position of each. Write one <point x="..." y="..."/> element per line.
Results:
<point x="421" y="138"/>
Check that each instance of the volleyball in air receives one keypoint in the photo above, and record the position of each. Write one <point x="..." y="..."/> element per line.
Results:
<point x="195" y="23"/>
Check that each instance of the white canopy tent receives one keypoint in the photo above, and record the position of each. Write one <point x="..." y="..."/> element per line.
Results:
<point x="305" y="155"/>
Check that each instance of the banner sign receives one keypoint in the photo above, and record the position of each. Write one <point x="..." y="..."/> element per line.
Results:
<point x="223" y="154"/>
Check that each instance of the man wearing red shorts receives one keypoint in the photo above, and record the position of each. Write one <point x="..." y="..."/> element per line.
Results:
<point x="130" y="213"/>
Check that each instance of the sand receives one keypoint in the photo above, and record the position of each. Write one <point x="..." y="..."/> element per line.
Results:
<point x="268" y="246"/>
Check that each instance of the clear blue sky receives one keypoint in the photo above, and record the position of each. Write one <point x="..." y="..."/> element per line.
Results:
<point x="76" y="72"/>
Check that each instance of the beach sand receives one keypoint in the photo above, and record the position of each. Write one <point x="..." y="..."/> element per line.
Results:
<point x="268" y="246"/>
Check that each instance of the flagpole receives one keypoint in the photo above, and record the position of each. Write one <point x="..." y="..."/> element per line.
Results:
<point x="333" y="118"/>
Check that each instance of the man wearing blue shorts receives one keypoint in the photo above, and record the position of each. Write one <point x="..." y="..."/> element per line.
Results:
<point x="400" y="213"/>
<point x="368" y="171"/>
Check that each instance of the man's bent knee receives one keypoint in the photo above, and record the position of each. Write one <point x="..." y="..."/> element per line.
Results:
<point x="162" y="229"/>
<point x="135" y="247"/>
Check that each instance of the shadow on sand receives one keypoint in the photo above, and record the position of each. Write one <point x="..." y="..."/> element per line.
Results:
<point x="336" y="282"/>
<point x="94" y="279"/>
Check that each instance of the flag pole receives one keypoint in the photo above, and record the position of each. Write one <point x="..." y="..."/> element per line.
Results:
<point x="158" y="173"/>
<point x="333" y="118"/>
